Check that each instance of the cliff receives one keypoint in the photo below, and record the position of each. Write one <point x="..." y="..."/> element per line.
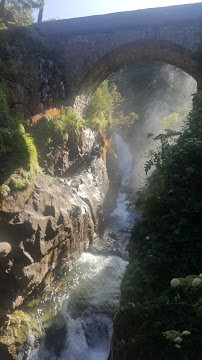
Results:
<point x="29" y="71"/>
<point x="46" y="223"/>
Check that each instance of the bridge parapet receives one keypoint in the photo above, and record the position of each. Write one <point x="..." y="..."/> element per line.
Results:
<point x="83" y="44"/>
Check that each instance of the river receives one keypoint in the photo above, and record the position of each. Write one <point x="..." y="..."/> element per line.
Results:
<point x="74" y="315"/>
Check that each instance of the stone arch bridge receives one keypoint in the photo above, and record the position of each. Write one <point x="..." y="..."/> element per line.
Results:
<point x="91" y="48"/>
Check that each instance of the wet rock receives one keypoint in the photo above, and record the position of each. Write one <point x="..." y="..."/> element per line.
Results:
<point x="67" y="160"/>
<point x="56" y="336"/>
<point x="5" y="249"/>
<point x="14" y="335"/>
<point x="113" y="236"/>
<point x="49" y="226"/>
<point x="35" y="82"/>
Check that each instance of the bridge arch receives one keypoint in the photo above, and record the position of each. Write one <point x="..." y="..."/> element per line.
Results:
<point x="131" y="53"/>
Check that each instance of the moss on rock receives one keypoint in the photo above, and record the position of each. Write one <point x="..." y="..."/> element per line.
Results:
<point x="14" y="334"/>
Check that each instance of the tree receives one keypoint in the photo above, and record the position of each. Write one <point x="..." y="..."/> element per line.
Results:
<point x="2" y="9"/>
<point x="40" y="15"/>
<point x="20" y="11"/>
<point x="102" y="111"/>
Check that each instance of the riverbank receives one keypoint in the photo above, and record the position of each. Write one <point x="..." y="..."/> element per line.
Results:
<point x="161" y="293"/>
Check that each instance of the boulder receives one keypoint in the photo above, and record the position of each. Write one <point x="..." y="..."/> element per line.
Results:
<point x="5" y="249"/>
<point x="48" y="226"/>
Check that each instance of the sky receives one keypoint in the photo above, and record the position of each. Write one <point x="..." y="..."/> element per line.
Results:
<point x="65" y="9"/>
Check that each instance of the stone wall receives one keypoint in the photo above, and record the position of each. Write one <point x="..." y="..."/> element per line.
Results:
<point x="61" y="59"/>
<point x="82" y="43"/>
<point x="29" y="72"/>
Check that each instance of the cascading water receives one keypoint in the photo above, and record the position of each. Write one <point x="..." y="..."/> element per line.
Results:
<point x="83" y="304"/>
<point x="125" y="159"/>
<point x="87" y="310"/>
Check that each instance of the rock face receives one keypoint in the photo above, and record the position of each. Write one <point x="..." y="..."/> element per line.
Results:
<point x="32" y="78"/>
<point x="45" y="228"/>
<point x="12" y="342"/>
<point x="63" y="160"/>
<point x="5" y="249"/>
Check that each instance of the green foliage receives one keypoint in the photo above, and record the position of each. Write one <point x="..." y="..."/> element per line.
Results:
<point x="101" y="150"/>
<point x="97" y="123"/>
<point x="165" y="247"/>
<point x="102" y="112"/>
<point x="18" y="11"/>
<point x="121" y="120"/>
<point x="171" y="119"/>
<point x="21" y="179"/>
<point x="4" y="190"/>
<point x="17" y="147"/>
<point x="60" y="126"/>
<point x="53" y="131"/>
<point x="3" y="106"/>
<point x="17" y="331"/>
<point x="156" y="158"/>
<point x="18" y="155"/>
<point x="71" y="120"/>
<point x="180" y="341"/>
<point x="171" y="334"/>
<point x="31" y="149"/>
<point x="197" y="56"/>
<point x="103" y="103"/>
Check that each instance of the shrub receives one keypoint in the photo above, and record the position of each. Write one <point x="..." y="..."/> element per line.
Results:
<point x="165" y="248"/>
<point x="4" y="190"/>
<point x="3" y="107"/>
<point x="102" y="111"/>
<point x="18" y="154"/>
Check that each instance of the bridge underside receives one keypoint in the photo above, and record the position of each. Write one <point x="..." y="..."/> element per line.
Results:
<point x="131" y="53"/>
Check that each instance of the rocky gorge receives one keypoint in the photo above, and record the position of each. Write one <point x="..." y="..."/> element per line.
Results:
<point x="80" y="176"/>
<point x="46" y="227"/>
<point x="49" y="221"/>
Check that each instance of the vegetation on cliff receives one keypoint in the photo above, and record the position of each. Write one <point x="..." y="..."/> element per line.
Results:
<point x="103" y="110"/>
<point x="14" y="336"/>
<point x="161" y="303"/>
<point x="19" y="151"/>
<point x="18" y="155"/>
<point x="19" y="11"/>
<point x="102" y="114"/>
<point x="53" y="131"/>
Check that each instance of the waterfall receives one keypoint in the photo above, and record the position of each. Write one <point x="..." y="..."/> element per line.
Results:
<point x="86" y="307"/>
<point x="125" y="159"/>
<point x="89" y="311"/>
